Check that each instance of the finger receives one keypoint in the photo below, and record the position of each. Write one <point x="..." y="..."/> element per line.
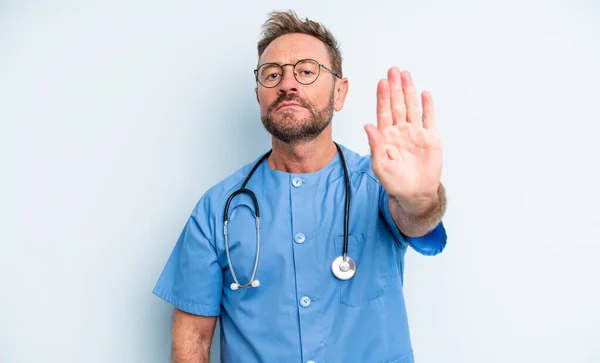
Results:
<point x="428" y="111"/>
<point x="376" y="142"/>
<point x="384" y="110"/>
<point x="396" y="96"/>
<point x="413" y="113"/>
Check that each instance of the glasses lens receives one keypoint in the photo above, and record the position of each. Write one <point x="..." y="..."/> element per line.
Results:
<point x="306" y="71"/>
<point x="269" y="75"/>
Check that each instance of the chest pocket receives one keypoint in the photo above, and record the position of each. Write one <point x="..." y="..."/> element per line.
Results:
<point x="375" y="268"/>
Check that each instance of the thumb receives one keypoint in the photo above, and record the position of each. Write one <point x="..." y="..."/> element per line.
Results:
<point x="376" y="142"/>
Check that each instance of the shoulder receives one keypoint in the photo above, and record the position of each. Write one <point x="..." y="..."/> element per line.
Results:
<point x="217" y="194"/>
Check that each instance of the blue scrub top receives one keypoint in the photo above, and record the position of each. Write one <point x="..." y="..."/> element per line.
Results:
<point x="300" y="312"/>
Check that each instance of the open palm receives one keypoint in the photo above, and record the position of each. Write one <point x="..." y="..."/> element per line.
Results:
<point x="406" y="148"/>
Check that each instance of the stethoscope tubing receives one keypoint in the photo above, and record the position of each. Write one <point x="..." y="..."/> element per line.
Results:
<point x="254" y="283"/>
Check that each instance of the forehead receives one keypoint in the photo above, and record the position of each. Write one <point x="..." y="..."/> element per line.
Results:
<point x="290" y="48"/>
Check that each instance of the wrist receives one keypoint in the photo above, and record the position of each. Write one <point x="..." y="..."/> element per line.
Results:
<point x="420" y="205"/>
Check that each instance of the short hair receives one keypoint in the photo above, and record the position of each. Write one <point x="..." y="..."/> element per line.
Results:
<point x="280" y="23"/>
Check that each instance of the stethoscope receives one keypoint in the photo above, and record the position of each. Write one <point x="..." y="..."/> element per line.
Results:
<point x="343" y="267"/>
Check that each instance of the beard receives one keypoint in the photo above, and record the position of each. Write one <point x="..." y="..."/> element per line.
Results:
<point x="291" y="130"/>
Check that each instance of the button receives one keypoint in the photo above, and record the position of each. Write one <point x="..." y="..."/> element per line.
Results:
<point x="305" y="301"/>
<point x="296" y="182"/>
<point x="299" y="238"/>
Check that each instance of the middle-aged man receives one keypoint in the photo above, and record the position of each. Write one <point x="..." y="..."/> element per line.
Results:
<point x="334" y="226"/>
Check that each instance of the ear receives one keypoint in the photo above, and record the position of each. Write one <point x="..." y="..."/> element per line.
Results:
<point x="256" y="91"/>
<point x="341" y="90"/>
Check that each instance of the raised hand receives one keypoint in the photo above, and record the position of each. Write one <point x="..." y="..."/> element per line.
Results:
<point x="406" y="149"/>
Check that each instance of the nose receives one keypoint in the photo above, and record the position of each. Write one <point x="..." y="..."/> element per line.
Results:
<point x="288" y="81"/>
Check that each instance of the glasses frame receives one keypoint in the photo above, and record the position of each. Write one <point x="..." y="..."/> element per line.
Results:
<point x="294" y="65"/>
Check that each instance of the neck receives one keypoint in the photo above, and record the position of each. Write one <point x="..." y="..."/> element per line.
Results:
<point x="305" y="157"/>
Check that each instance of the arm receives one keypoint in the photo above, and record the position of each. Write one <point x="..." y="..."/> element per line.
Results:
<point x="406" y="152"/>
<point x="192" y="337"/>
<point x="418" y="218"/>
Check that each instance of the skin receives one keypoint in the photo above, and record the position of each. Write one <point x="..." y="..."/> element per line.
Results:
<point x="191" y="337"/>
<point x="406" y="152"/>
<point x="405" y="147"/>
<point x="311" y="155"/>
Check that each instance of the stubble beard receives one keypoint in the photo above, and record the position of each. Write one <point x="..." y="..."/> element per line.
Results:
<point x="291" y="130"/>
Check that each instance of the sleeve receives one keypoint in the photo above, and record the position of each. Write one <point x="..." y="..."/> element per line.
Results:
<point x="192" y="277"/>
<point x="430" y="244"/>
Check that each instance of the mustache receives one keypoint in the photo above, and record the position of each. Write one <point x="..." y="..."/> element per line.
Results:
<point x="289" y="97"/>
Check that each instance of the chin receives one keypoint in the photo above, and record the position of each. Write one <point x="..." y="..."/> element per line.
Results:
<point x="292" y="115"/>
<point x="288" y="118"/>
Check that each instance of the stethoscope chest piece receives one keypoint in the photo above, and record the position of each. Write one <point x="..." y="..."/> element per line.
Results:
<point x="343" y="270"/>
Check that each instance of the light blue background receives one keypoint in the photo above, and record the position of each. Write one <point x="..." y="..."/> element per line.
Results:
<point x="117" y="116"/>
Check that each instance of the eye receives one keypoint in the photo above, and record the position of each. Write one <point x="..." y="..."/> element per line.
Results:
<point x="307" y="72"/>
<point x="272" y="76"/>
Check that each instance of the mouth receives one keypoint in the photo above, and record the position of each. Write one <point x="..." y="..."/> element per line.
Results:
<point x="288" y="105"/>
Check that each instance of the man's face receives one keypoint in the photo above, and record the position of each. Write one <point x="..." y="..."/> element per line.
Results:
<point x="293" y="112"/>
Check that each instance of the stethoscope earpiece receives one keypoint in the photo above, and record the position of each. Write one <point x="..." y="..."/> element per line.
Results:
<point x="234" y="286"/>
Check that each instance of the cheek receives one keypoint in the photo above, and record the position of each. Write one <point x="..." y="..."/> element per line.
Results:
<point x="320" y="99"/>
<point x="265" y="99"/>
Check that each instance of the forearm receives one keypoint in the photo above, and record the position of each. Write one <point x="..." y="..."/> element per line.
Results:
<point x="190" y="351"/>
<point x="191" y="338"/>
<point x="416" y="218"/>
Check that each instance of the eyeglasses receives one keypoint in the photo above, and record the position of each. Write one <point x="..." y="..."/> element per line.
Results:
<point x="306" y="71"/>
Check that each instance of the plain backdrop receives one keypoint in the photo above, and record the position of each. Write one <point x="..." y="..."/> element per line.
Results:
<point x="118" y="115"/>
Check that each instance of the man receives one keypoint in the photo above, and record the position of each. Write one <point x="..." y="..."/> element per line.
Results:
<point x="300" y="299"/>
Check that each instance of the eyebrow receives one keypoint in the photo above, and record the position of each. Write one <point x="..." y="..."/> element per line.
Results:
<point x="294" y="62"/>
